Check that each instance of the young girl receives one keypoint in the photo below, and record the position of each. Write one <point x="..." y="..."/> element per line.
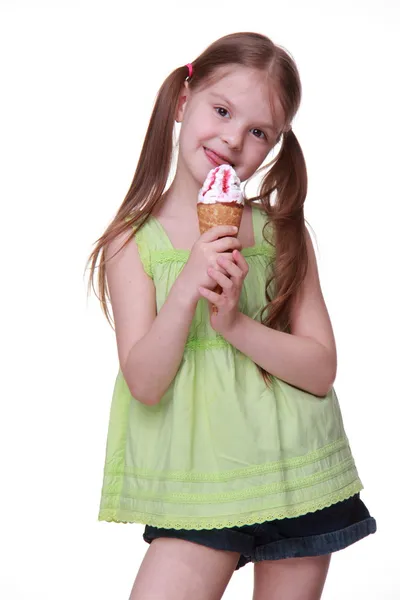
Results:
<point x="225" y="437"/>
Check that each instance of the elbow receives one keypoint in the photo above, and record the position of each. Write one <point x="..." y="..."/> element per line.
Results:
<point x="144" y="396"/>
<point x="149" y="401"/>
<point x="327" y="379"/>
<point x="322" y="391"/>
<point x="141" y="391"/>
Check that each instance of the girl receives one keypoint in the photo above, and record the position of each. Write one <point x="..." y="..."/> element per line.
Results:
<point x="225" y="437"/>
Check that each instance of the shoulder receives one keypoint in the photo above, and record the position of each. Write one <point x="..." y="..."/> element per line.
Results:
<point x="312" y="266"/>
<point x="310" y="287"/>
<point x="131" y="292"/>
<point x="121" y="252"/>
<point x="131" y="247"/>
<point x="309" y="315"/>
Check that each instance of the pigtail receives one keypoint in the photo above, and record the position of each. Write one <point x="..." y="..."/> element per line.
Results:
<point x="288" y="178"/>
<point x="148" y="183"/>
<point x="155" y="158"/>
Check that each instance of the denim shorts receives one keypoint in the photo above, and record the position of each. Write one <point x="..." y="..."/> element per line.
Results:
<point x="313" y="534"/>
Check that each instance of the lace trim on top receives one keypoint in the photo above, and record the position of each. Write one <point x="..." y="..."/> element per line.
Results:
<point x="258" y="491"/>
<point x="173" y="255"/>
<point x="159" y="257"/>
<point x="109" y="514"/>
<point x="206" y="343"/>
<point x="150" y="258"/>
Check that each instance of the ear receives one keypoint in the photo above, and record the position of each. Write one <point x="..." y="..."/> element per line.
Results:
<point x="183" y="98"/>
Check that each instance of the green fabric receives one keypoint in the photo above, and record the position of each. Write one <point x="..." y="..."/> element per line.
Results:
<point x="221" y="449"/>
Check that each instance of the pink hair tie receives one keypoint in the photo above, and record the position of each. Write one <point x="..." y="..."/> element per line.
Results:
<point x="190" y="67"/>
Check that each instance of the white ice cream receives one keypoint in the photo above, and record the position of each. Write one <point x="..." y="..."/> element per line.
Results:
<point x="221" y="185"/>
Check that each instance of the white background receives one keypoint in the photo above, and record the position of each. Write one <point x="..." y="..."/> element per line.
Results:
<point x="78" y="80"/>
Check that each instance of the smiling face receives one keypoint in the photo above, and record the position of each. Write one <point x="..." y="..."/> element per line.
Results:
<point x="229" y="121"/>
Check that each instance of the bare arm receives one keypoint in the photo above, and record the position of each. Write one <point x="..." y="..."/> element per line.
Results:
<point x="150" y="349"/>
<point x="301" y="361"/>
<point x="305" y="358"/>
<point x="154" y="360"/>
<point x="151" y="346"/>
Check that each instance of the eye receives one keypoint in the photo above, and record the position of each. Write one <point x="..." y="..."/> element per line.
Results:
<point x="221" y="111"/>
<point x="259" y="134"/>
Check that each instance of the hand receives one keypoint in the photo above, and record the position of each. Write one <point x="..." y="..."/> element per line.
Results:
<point x="217" y="242"/>
<point x="224" y="307"/>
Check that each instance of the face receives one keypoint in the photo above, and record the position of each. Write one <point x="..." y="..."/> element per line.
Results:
<point x="230" y="122"/>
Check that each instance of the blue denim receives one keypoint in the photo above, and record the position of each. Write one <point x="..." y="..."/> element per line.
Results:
<point x="314" y="534"/>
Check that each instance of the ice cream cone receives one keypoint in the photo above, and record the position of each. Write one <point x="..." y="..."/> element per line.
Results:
<point x="211" y="215"/>
<point x="220" y="202"/>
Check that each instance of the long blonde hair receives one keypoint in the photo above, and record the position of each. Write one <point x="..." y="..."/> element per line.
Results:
<point x="287" y="177"/>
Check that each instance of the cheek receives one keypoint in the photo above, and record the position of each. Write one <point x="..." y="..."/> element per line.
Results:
<point x="207" y="127"/>
<point x="254" y="159"/>
<point x="198" y="128"/>
<point x="186" y="138"/>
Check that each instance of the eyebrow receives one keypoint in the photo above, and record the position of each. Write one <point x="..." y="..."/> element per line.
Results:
<point x="269" y="126"/>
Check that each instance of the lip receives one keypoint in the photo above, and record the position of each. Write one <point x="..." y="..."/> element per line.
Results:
<point x="217" y="159"/>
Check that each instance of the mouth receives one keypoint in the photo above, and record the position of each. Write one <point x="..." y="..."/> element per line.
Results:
<point x="217" y="159"/>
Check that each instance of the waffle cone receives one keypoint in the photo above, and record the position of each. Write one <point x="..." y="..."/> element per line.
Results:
<point x="211" y="215"/>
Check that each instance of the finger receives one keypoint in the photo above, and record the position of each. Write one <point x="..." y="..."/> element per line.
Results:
<point x="226" y="244"/>
<point x="215" y="299"/>
<point x="240" y="261"/>
<point x="220" y="278"/>
<point x="217" y="266"/>
<point x="230" y="267"/>
<point x="218" y="232"/>
<point x="227" y="255"/>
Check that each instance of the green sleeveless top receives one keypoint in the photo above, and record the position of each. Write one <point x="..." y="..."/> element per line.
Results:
<point x="221" y="449"/>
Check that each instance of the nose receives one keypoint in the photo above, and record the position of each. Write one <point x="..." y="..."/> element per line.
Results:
<point x="232" y="136"/>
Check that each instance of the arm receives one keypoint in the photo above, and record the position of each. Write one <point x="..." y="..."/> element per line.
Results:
<point x="151" y="345"/>
<point x="150" y="348"/>
<point x="301" y="361"/>
<point x="305" y="358"/>
<point x="154" y="360"/>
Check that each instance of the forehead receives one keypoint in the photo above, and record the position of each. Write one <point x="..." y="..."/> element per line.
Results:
<point x="249" y="91"/>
